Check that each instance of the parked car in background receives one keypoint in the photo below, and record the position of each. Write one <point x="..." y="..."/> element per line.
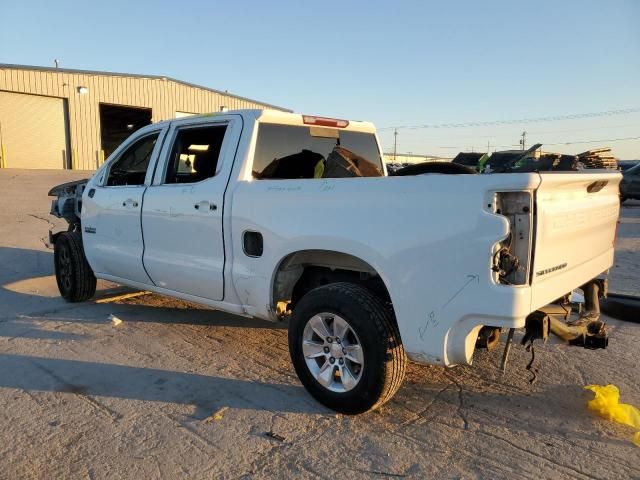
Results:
<point x="630" y="184"/>
<point x="627" y="164"/>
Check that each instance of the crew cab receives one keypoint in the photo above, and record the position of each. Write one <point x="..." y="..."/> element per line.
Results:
<point x="283" y="216"/>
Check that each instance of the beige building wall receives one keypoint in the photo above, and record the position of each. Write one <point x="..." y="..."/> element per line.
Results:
<point x="163" y="95"/>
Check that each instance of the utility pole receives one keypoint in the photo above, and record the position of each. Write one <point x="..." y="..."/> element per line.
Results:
<point x="55" y="60"/>
<point x="488" y="146"/>
<point x="524" y="138"/>
<point x="395" y="144"/>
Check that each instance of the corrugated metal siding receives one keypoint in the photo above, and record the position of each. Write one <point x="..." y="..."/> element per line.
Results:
<point x="32" y="131"/>
<point x="163" y="96"/>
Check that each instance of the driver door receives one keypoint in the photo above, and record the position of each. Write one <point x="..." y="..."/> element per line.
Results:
<point x="112" y="203"/>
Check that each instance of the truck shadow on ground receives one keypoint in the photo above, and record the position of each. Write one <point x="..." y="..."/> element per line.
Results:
<point x="154" y="309"/>
<point x="206" y="393"/>
<point x="26" y="329"/>
<point x="28" y="280"/>
<point x="481" y="400"/>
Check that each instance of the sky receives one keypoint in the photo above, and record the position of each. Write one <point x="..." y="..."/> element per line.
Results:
<point x="396" y="63"/>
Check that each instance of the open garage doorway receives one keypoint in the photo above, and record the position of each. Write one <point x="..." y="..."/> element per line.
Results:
<point x="117" y="122"/>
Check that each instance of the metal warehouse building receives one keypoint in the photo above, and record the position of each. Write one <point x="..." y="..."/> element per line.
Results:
<point x="60" y="118"/>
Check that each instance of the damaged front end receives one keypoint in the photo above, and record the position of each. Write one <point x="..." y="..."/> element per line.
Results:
<point x="67" y="204"/>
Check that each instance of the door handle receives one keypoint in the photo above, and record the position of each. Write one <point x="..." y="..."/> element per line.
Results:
<point x="204" y="205"/>
<point x="130" y="203"/>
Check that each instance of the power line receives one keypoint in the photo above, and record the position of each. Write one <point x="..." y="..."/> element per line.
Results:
<point x="596" y="141"/>
<point x="574" y="116"/>
<point x="448" y="136"/>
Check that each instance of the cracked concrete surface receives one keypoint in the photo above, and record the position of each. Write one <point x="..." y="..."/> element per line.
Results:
<point x="82" y="398"/>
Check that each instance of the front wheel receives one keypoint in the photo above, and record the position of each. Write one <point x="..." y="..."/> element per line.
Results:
<point x="346" y="349"/>
<point x="76" y="281"/>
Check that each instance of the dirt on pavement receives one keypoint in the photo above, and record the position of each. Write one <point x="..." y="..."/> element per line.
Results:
<point x="178" y="390"/>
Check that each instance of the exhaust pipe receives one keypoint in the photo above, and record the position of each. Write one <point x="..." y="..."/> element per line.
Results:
<point x="588" y="331"/>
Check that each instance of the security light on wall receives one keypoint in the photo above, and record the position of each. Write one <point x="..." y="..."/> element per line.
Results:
<point x="83" y="90"/>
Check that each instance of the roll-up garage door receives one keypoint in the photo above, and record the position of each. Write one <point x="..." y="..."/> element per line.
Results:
<point x="32" y="131"/>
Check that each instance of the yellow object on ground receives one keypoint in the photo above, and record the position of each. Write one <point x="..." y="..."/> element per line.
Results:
<point x="122" y="297"/>
<point x="217" y="415"/>
<point x="606" y="404"/>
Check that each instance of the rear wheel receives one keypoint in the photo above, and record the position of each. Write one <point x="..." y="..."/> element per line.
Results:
<point x="345" y="347"/>
<point x="76" y="281"/>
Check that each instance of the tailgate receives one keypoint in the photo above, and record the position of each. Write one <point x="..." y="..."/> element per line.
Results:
<point x="576" y="219"/>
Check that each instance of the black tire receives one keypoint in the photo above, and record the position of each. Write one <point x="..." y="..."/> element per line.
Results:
<point x="376" y="327"/>
<point x="76" y="281"/>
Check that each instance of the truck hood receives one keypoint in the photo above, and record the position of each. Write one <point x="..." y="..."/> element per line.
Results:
<point x="69" y="186"/>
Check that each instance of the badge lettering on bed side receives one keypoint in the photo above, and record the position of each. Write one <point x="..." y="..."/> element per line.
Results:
<point x="551" y="269"/>
<point x="89" y="230"/>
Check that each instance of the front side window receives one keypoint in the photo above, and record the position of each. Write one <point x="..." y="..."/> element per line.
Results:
<point x="195" y="153"/>
<point x="288" y="152"/>
<point x="131" y="166"/>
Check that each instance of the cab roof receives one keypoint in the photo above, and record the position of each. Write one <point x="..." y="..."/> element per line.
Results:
<point x="283" y="118"/>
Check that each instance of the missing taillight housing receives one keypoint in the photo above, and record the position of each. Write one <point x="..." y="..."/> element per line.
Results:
<point x="512" y="257"/>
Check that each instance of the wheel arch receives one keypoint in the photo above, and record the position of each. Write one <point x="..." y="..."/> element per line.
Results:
<point x="309" y="264"/>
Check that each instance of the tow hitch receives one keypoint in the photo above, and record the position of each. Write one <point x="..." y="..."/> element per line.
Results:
<point x="584" y="332"/>
<point x="587" y="331"/>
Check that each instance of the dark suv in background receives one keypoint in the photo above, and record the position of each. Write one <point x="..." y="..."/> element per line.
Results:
<point x="630" y="184"/>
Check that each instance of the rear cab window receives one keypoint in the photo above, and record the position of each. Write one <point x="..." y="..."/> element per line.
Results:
<point x="295" y="152"/>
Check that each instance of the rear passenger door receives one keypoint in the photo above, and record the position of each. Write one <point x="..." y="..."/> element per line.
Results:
<point x="182" y="218"/>
<point x="112" y="204"/>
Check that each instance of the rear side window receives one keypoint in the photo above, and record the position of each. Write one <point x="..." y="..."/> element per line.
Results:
<point x="195" y="153"/>
<point x="288" y="152"/>
<point x="131" y="167"/>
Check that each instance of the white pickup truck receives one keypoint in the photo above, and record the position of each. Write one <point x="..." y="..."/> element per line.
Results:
<point x="242" y="211"/>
